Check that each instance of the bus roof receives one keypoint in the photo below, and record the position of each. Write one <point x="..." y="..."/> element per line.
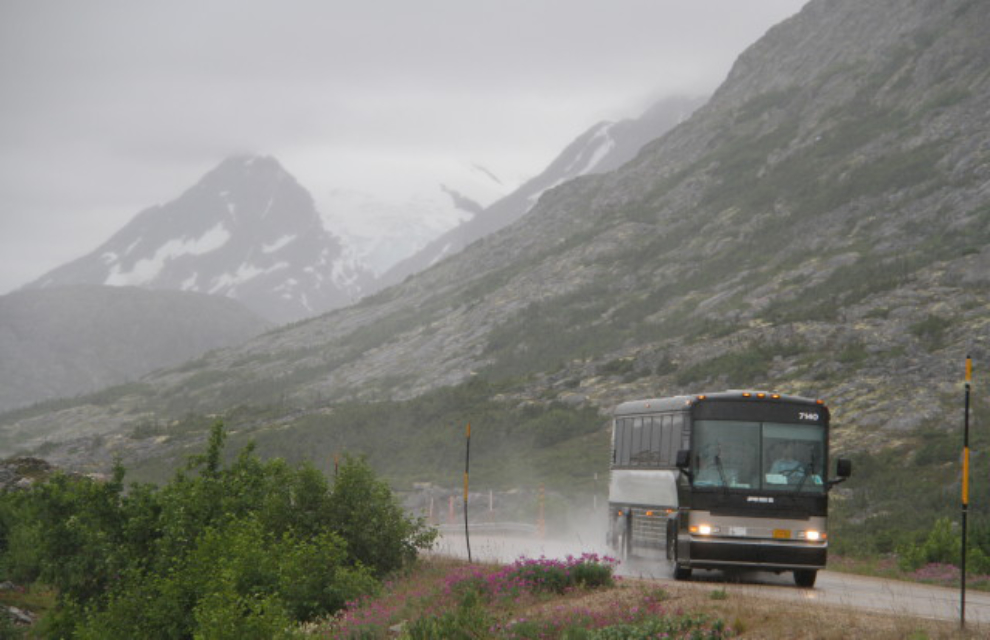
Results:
<point x="672" y="403"/>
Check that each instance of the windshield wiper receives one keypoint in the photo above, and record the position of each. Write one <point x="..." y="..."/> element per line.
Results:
<point x="721" y="470"/>
<point x="808" y="469"/>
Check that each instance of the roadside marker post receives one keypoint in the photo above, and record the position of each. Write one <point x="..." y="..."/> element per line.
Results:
<point x="965" y="495"/>
<point x="467" y="467"/>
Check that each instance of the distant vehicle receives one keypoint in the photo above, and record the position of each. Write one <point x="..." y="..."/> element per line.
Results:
<point x="729" y="480"/>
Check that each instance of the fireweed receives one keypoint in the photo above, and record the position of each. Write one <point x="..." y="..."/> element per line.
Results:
<point x="484" y="601"/>
<point x="535" y="576"/>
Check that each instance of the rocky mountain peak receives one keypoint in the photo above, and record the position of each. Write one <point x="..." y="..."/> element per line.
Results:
<point x="247" y="230"/>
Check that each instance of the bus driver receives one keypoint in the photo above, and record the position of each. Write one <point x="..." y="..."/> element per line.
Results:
<point x="787" y="463"/>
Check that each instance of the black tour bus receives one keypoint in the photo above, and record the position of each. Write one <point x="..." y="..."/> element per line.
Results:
<point x="729" y="480"/>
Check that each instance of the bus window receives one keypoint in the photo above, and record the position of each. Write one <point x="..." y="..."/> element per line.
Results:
<point x="666" y="438"/>
<point x="621" y="449"/>
<point x="726" y="453"/>
<point x="640" y="451"/>
<point x="684" y="428"/>
<point x="656" y="441"/>
<point x="793" y="457"/>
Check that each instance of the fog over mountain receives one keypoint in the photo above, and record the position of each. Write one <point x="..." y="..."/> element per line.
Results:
<point x="381" y="233"/>
<point x="247" y="230"/>
<point x="604" y="147"/>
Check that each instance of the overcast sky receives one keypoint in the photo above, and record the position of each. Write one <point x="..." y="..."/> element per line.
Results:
<point x="111" y="106"/>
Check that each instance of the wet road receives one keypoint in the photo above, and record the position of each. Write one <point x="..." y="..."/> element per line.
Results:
<point x="831" y="588"/>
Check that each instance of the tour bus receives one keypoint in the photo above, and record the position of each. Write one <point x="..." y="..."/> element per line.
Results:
<point x="728" y="480"/>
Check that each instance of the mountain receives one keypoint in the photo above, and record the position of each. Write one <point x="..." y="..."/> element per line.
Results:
<point x="382" y="231"/>
<point x="247" y="230"/>
<point x="63" y="341"/>
<point x="602" y="148"/>
<point x="821" y="226"/>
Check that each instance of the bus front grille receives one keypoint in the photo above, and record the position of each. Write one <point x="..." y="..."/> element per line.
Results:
<point x="649" y="528"/>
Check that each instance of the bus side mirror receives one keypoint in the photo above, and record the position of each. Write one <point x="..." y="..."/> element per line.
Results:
<point x="683" y="462"/>
<point x="843" y="469"/>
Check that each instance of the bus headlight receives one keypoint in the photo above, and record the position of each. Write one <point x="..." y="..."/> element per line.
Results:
<point x="704" y="529"/>
<point x="811" y="535"/>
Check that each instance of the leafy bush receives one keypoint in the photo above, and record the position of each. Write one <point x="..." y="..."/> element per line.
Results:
<point x="943" y="545"/>
<point x="371" y="522"/>
<point x="245" y="551"/>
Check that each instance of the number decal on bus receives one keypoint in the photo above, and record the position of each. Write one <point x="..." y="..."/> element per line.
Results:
<point x="803" y="415"/>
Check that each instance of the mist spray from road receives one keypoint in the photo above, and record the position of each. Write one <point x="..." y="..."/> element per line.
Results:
<point x="582" y="530"/>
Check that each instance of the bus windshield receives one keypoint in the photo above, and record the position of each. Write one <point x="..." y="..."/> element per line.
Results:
<point x="765" y="456"/>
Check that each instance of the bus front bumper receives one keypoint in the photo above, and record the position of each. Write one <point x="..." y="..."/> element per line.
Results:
<point x="773" y="555"/>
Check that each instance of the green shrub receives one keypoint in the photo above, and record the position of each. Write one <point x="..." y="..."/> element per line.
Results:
<point x="371" y="522"/>
<point x="942" y="545"/>
<point x="246" y="551"/>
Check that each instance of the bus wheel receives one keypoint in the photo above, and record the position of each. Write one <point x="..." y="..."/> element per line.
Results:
<point x="805" y="577"/>
<point x="681" y="572"/>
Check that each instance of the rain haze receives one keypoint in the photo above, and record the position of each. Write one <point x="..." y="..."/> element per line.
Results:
<point x="110" y="107"/>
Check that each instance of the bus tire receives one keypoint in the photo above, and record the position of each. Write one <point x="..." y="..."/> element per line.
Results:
<point x="805" y="577"/>
<point x="681" y="572"/>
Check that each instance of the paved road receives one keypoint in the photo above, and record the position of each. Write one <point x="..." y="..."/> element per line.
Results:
<point x="859" y="592"/>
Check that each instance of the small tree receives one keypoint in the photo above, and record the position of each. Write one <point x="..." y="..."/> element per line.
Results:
<point x="366" y="514"/>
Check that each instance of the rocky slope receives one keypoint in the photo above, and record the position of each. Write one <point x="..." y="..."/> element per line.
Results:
<point x="819" y="227"/>
<point x="65" y="341"/>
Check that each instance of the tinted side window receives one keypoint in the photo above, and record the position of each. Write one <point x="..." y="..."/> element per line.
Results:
<point x="625" y="441"/>
<point x="668" y="447"/>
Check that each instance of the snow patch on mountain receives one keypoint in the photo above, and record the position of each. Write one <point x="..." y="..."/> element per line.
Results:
<point x="147" y="269"/>
<point x="278" y="244"/>
<point x="599" y="146"/>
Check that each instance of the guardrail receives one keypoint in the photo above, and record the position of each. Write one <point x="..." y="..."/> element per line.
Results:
<point x="505" y="528"/>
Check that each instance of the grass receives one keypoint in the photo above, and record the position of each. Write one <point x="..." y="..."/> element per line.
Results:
<point x="934" y="573"/>
<point x="443" y="597"/>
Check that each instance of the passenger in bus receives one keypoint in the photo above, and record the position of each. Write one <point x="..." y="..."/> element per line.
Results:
<point x="787" y="463"/>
